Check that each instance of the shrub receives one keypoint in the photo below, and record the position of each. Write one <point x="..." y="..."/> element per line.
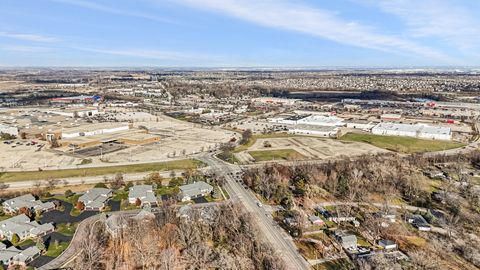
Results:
<point x="68" y="193"/>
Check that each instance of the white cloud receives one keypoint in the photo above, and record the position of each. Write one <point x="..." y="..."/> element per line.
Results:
<point x="449" y="20"/>
<point x="112" y="10"/>
<point x="146" y="53"/>
<point x="24" y="49"/>
<point x="292" y="16"/>
<point x="27" y="37"/>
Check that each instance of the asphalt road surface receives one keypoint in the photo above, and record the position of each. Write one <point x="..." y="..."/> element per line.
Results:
<point x="278" y="239"/>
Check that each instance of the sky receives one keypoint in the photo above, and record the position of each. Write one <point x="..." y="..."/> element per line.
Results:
<point x="239" y="33"/>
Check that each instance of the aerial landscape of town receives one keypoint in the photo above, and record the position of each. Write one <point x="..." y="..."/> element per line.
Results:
<point x="331" y="178"/>
<point x="239" y="135"/>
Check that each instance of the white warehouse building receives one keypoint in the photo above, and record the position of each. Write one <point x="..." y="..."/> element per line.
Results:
<point x="415" y="130"/>
<point x="94" y="129"/>
<point x="317" y="120"/>
<point x="9" y="130"/>
<point x="321" y="120"/>
<point x="322" y="131"/>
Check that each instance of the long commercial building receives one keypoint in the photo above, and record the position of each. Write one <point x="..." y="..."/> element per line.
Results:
<point x="415" y="130"/>
<point x="322" y="131"/>
<point x="94" y="129"/>
<point x="314" y="120"/>
<point x="275" y="101"/>
<point x="9" y="130"/>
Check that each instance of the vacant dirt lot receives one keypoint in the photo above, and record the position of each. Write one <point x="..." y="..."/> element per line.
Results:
<point x="311" y="147"/>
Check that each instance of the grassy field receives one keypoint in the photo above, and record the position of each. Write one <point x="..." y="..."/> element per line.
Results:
<point x="401" y="144"/>
<point x="308" y="250"/>
<point x="340" y="264"/>
<point x="283" y="154"/>
<point x="134" y="168"/>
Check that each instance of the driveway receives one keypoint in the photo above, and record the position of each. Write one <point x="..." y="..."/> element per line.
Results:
<point x="58" y="217"/>
<point x="115" y="205"/>
<point x="40" y="261"/>
<point x="200" y="200"/>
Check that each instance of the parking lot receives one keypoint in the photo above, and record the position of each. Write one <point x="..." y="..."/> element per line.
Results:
<point x="100" y="150"/>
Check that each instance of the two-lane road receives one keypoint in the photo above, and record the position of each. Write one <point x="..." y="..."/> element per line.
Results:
<point x="278" y="239"/>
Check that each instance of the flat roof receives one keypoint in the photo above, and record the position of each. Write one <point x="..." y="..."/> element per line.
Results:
<point x="315" y="127"/>
<point x="321" y="119"/>
<point x="414" y="128"/>
<point x="93" y="126"/>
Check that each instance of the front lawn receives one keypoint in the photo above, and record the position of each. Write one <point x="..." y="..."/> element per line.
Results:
<point x="120" y="195"/>
<point x="54" y="250"/>
<point x="26" y="242"/>
<point x="66" y="228"/>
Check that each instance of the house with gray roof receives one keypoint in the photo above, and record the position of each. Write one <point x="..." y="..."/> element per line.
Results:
<point x="420" y="223"/>
<point x="7" y="254"/>
<point x="96" y="198"/>
<point x="23" y="227"/>
<point x="348" y="241"/>
<point x="28" y="201"/>
<point x="194" y="190"/>
<point x="144" y="193"/>
<point x="315" y="220"/>
<point x="387" y="245"/>
<point x="115" y="223"/>
<point x="12" y="255"/>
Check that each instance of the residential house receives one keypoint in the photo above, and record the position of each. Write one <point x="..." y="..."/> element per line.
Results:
<point x="348" y="241"/>
<point x="23" y="227"/>
<point x="115" y="223"/>
<point x="12" y="255"/>
<point x="420" y="223"/>
<point x="7" y="254"/>
<point x="290" y="222"/>
<point x="340" y="217"/>
<point x="387" y="245"/>
<point x="28" y="201"/>
<point x="185" y="211"/>
<point x="96" y="198"/>
<point x="195" y="190"/>
<point x="316" y="220"/>
<point x="387" y="216"/>
<point x="144" y="193"/>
